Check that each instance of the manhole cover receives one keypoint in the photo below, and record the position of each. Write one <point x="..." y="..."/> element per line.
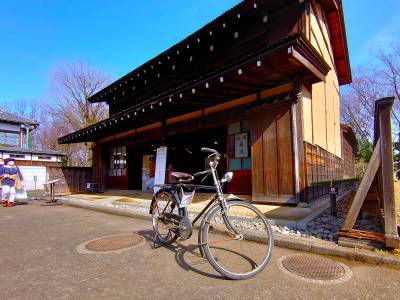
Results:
<point x="114" y="242"/>
<point x="314" y="268"/>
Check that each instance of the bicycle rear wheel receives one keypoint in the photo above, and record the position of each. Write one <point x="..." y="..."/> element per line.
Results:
<point x="242" y="252"/>
<point x="163" y="225"/>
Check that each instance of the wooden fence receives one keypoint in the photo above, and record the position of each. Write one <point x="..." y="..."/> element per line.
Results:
<point x="73" y="178"/>
<point x="321" y="165"/>
<point x="377" y="185"/>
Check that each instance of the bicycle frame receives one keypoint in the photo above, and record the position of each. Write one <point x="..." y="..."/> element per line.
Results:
<point x="218" y="197"/>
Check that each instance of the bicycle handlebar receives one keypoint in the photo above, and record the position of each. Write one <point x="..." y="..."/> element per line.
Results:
<point x="201" y="173"/>
<point x="204" y="149"/>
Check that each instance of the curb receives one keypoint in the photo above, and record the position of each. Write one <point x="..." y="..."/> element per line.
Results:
<point x="280" y="240"/>
<point x="106" y="209"/>
<point x="332" y="249"/>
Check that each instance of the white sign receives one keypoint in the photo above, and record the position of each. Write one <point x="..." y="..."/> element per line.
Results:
<point x="161" y="164"/>
<point x="186" y="199"/>
<point x="241" y="145"/>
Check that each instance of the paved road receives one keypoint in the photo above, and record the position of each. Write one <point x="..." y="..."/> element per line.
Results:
<point x="39" y="260"/>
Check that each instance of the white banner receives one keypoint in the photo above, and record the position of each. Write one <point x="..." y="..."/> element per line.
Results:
<point x="241" y="145"/>
<point x="161" y="164"/>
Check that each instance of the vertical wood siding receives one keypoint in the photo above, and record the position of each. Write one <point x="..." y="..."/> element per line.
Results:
<point x="73" y="178"/>
<point x="271" y="150"/>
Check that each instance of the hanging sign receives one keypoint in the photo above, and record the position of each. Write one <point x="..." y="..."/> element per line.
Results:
<point x="241" y="145"/>
<point x="161" y="164"/>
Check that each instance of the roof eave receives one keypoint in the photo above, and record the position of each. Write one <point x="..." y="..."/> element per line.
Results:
<point x="297" y="43"/>
<point x="335" y="17"/>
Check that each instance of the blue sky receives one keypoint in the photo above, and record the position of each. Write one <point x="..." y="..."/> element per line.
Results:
<point x="117" y="36"/>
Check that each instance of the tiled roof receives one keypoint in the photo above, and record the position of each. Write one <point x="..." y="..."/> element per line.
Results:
<point x="30" y="151"/>
<point x="9" y="117"/>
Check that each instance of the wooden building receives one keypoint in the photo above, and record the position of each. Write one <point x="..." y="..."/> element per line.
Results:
<point x="260" y="84"/>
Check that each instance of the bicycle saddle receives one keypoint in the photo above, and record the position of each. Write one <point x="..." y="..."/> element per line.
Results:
<point x="182" y="177"/>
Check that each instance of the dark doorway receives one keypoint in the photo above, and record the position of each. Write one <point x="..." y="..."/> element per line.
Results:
<point x="184" y="154"/>
<point x="184" y="151"/>
<point x="135" y="160"/>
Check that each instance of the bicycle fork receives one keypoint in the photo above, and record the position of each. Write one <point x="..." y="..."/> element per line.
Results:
<point x="225" y="219"/>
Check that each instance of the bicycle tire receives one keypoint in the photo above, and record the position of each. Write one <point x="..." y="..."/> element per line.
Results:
<point x="157" y="214"/>
<point x="251" y="237"/>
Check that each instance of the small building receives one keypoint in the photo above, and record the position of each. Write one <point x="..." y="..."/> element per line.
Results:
<point x="260" y="84"/>
<point x="15" y="142"/>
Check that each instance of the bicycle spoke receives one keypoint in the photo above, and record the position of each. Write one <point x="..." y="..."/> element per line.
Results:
<point x="238" y="256"/>
<point x="161" y="225"/>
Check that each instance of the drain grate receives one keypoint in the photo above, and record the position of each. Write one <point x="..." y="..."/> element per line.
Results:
<point x="114" y="242"/>
<point x="314" y="267"/>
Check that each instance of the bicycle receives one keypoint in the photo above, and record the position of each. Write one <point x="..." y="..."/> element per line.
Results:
<point x="229" y="226"/>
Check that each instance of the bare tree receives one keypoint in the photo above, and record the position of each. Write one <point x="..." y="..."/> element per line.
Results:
<point x="48" y="134"/>
<point x="358" y="103"/>
<point x="369" y="84"/>
<point x="72" y="86"/>
<point x="388" y="76"/>
<point x="68" y="110"/>
<point x="26" y="108"/>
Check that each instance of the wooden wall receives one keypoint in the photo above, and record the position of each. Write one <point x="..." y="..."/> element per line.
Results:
<point x="325" y="103"/>
<point x="241" y="183"/>
<point x="348" y="155"/>
<point x="73" y="178"/>
<point x="117" y="182"/>
<point x="100" y="161"/>
<point x="272" y="153"/>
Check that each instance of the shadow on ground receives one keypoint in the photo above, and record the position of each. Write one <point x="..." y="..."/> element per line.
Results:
<point x="188" y="257"/>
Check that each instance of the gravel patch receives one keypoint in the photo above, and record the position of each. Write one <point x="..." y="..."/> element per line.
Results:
<point x="325" y="226"/>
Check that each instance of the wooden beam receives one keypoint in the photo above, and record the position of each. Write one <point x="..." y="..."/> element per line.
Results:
<point x="363" y="189"/>
<point x="129" y="132"/>
<point x="305" y="62"/>
<point x="225" y="87"/>
<point x="364" y="235"/>
<point x="284" y="88"/>
<point x="260" y="80"/>
<point x="212" y="95"/>
<point x="384" y="109"/>
<point x="244" y="83"/>
<point x="230" y="104"/>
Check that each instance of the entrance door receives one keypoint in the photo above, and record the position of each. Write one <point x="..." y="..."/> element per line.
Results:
<point x="185" y="155"/>
<point x="272" y="155"/>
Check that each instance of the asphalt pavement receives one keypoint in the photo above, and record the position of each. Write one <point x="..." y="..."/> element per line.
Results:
<point x="39" y="260"/>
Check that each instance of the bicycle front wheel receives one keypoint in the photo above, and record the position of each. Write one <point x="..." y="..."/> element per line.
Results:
<point x="237" y="243"/>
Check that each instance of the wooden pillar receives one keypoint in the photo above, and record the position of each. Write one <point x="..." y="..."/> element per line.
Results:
<point x="384" y="110"/>
<point x="298" y="147"/>
<point x="163" y="132"/>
